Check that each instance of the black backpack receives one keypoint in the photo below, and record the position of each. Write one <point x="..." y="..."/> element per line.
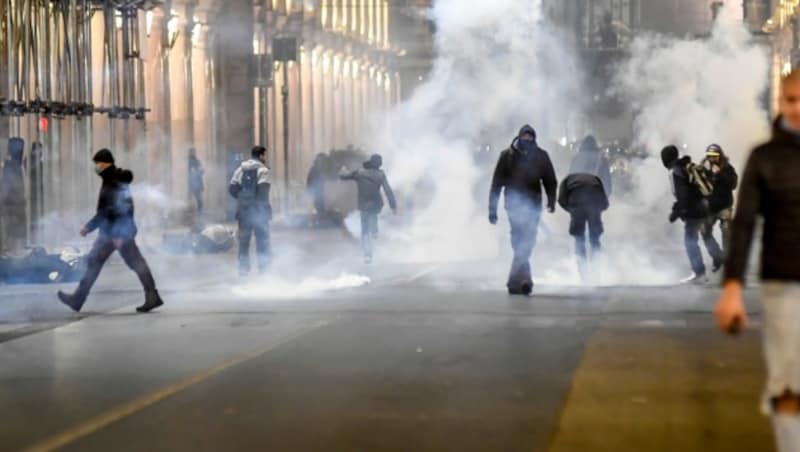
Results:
<point x="249" y="185"/>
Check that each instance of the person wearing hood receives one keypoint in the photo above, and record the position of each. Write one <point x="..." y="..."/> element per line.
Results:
<point x="12" y="194"/>
<point x="690" y="206"/>
<point x="720" y="203"/>
<point x="584" y="194"/>
<point x="369" y="181"/>
<point x="522" y="171"/>
<point x="770" y="192"/>
<point x="117" y="232"/>
<point x="250" y="186"/>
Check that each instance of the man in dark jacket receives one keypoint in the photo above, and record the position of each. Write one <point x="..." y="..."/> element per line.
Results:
<point x="522" y="170"/>
<point x="369" y="181"/>
<point x="720" y="203"/>
<point x="770" y="190"/>
<point x="114" y="219"/>
<point x="584" y="194"/>
<point x="12" y="195"/>
<point x="250" y="186"/>
<point x="691" y="207"/>
<point x="196" y="173"/>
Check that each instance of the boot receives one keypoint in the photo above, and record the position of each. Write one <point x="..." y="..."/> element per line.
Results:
<point x="526" y="287"/>
<point x="152" y="301"/>
<point x="72" y="301"/>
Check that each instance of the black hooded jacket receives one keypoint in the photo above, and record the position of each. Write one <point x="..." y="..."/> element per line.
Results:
<point x="114" y="217"/>
<point x="523" y="175"/>
<point x="725" y="182"/>
<point x="770" y="189"/>
<point x="690" y="204"/>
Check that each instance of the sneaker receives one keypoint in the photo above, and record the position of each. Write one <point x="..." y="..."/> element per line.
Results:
<point x="152" y="301"/>
<point x="696" y="279"/>
<point x="70" y="301"/>
<point x="717" y="266"/>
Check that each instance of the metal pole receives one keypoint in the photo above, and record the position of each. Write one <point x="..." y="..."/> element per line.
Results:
<point x="187" y="73"/>
<point x="285" y="98"/>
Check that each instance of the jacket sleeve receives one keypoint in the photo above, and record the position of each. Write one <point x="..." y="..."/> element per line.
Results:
<point x="389" y="193"/>
<point x="549" y="181"/>
<point x="605" y="176"/>
<point x="94" y="223"/>
<point x="499" y="181"/>
<point x="744" y="222"/>
<point x="348" y="176"/>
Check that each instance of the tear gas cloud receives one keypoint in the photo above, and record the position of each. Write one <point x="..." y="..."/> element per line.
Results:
<point x="501" y="65"/>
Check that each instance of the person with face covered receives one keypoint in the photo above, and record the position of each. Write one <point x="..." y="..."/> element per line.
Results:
<point x="720" y="203"/>
<point x="584" y="194"/>
<point x="691" y="206"/>
<point x="117" y="232"/>
<point x="522" y="171"/>
<point x="369" y="181"/>
<point x="770" y="191"/>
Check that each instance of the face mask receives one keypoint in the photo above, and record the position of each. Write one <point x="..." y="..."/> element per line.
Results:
<point x="526" y="145"/>
<point x="98" y="170"/>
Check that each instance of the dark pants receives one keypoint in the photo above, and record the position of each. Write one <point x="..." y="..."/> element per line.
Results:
<point x="524" y="228"/>
<point x="369" y="231"/>
<point x="246" y="230"/>
<point x="693" y="228"/>
<point x="102" y="249"/>
<point x="580" y="218"/>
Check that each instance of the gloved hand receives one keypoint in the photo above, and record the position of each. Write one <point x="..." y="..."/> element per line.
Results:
<point x="493" y="217"/>
<point x="673" y="217"/>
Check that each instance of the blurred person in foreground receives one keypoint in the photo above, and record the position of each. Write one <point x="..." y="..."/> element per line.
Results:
<point x="770" y="190"/>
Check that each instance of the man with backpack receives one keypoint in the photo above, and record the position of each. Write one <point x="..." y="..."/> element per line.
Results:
<point x="691" y="187"/>
<point x="250" y="186"/>
<point x="584" y="194"/>
<point x="720" y="202"/>
<point x="369" y="180"/>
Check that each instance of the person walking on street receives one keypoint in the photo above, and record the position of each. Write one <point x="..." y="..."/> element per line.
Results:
<point x="196" y="174"/>
<point x="117" y="232"/>
<point x="770" y="191"/>
<point x="720" y="203"/>
<point x="522" y="171"/>
<point x="12" y="196"/>
<point x="370" y="180"/>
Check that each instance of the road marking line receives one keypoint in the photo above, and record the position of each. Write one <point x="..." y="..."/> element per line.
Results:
<point x="120" y="412"/>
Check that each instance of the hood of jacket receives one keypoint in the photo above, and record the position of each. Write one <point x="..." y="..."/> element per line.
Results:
<point x="589" y="144"/>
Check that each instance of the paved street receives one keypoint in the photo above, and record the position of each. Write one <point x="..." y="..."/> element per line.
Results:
<point x="419" y="359"/>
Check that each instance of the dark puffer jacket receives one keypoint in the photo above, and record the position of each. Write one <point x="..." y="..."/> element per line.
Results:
<point x="725" y="182"/>
<point x="770" y="189"/>
<point x="114" y="217"/>
<point x="522" y="175"/>
<point x="690" y="204"/>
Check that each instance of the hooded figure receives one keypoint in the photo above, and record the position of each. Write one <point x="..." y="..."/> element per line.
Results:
<point x="584" y="194"/>
<point x="725" y="181"/>
<point x="12" y="194"/>
<point x="369" y="181"/>
<point x="522" y="171"/>
<point x="250" y="186"/>
<point x="117" y="232"/>
<point x="691" y="207"/>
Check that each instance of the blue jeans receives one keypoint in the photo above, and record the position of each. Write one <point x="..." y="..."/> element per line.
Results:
<point x="369" y="230"/>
